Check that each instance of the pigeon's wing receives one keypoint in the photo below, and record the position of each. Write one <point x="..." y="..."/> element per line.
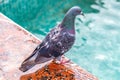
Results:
<point x="42" y="48"/>
<point x="43" y="55"/>
<point x="34" y="52"/>
<point x="39" y="55"/>
<point x="30" y="61"/>
<point x="46" y="48"/>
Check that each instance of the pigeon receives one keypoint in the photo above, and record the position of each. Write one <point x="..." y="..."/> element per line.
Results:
<point x="57" y="42"/>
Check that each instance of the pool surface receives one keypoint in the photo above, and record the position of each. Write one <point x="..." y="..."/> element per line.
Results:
<point x="97" y="46"/>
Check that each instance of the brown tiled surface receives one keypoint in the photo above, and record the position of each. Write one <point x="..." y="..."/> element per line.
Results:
<point x="53" y="71"/>
<point x="16" y="44"/>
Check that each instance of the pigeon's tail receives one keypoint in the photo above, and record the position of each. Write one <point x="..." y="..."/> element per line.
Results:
<point x="26" y="65"/>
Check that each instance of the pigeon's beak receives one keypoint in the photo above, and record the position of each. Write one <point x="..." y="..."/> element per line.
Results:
<point x="82" y="14"/>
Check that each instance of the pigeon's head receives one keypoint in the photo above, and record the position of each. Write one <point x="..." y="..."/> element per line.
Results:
<point x="74" y="11"/>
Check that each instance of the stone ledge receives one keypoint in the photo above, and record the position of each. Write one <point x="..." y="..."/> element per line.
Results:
<point x="16" y="44"/>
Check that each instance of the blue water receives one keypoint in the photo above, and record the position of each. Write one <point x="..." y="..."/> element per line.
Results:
<point x="97" y="46"/>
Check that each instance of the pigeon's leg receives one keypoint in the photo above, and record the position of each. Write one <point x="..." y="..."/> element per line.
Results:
<point x="57" y="60"/>
<point x="62" y="60"/>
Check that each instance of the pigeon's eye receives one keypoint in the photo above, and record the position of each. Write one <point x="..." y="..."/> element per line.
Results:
<point x="78" y="11"/>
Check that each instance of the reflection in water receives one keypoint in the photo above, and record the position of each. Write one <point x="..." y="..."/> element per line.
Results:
<point x="97" y="46"/>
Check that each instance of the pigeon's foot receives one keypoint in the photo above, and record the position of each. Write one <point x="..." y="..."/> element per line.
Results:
<point x="61" y="60"/>
<point x="64" y="62"/>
